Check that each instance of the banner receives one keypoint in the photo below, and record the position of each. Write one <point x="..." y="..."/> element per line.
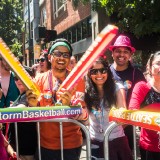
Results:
<point x="142" y="118"/>
<point x="38" y="113"/>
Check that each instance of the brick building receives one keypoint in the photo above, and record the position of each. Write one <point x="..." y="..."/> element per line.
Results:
<point x="71" y="23"/>
<point x="79" y="25"/>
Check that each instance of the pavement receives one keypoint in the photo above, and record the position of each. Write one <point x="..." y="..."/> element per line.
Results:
<point x="83" y="152"/>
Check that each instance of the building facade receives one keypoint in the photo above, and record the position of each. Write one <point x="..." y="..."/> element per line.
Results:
<point x="79" y="25"/>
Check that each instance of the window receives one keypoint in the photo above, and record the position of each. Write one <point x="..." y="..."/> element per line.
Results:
<point x="59" y="7"/>
<point x="78" y="32"/>
<point x="43" y="17"/>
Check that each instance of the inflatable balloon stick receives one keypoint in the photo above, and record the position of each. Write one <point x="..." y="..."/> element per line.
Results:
<point x="17" y="67"/>
<point x="97" y="48"/>
<point x="142" y="118"/>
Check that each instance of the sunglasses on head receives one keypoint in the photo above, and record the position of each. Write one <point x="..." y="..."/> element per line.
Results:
<point x="57" y="53"/>
<point x="100" y="70"/>
<point x="41" y="60"/>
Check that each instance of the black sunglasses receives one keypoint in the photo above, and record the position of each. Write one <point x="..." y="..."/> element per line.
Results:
<point x="41" y="60"/>
<point x="57" y="53"/>
<point x="16" y="78"/>
<point x="101" y="70"/>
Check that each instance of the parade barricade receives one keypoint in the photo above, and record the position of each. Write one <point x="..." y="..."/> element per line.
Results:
<point x="146" y="118"/>
<point x="60" y="114"/>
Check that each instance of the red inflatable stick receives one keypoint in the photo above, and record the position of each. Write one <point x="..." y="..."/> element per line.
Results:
<point x="148" y="117"/>
<point x="97" y="48"/>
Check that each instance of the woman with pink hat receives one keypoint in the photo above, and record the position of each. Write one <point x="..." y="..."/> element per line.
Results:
<point x="124" y="72"/>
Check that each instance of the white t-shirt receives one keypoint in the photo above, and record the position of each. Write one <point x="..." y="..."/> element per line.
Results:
<point x="99" y="121"/>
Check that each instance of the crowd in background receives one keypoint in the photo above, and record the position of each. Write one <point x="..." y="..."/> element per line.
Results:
<point x="105" y="86"/>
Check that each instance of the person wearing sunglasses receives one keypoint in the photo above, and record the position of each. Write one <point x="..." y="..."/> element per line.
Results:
<point x="44" y="64"/>
<point x="27" y="131"/>
<point x="101" y="95"/>
<point x="59" y="54"/>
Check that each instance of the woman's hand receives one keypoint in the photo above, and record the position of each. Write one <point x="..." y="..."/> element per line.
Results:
<point x="83" y="116"/>
<point x="11" y="152"/>
<point x="31" y="98"/>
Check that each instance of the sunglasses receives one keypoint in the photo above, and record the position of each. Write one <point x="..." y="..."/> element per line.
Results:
<point x="57" y="53"/>
<point x="41" y="60"/>
<point x="16" y="78"/>
<point x="101" y="70"/>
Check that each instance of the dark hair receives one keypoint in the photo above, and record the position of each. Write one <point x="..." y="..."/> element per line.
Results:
<point x="150" y="60"/>
<point x="45" y="54"/>
<point x="91" y="95"/>
<point x="28" y="70"/>
<point x="60" y="40"/>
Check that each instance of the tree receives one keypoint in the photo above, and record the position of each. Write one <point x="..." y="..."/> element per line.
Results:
<point x="16" y="48"/>
<point x="11" y="21"/>
<point x="140" y="17"/>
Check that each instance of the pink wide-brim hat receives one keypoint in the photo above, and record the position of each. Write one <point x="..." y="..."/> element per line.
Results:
<point x="122" y="41"/>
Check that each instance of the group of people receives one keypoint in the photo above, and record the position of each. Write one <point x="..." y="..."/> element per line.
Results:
<point x="105" y="86"/>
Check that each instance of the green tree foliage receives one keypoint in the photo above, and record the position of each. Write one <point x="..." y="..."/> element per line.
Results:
<point x="140" y="17"/>
<point x="16" y="47"/>
<point x="11" y="21"/>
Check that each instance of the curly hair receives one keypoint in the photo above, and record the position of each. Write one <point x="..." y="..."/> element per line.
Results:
<point x="60" y="40"/>
<point x="91" y="95"/>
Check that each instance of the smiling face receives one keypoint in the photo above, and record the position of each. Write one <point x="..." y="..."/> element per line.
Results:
<point x="121" y="56"/>
<point x="155" y="67"/>
<point x="58" y="60"/>
<point x="98" y="74"/>
<point x="42" y="64"/>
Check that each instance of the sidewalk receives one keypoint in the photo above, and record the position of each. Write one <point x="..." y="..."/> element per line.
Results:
<point x="83" y="152"/>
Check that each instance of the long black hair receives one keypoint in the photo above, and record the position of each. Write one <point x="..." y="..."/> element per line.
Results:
<point x="91" y="95"/>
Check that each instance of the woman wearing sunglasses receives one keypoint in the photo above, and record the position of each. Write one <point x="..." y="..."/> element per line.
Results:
<point x="44" y="64"/>
<point x="102" y="94"/>
<point x="27" y="131"/>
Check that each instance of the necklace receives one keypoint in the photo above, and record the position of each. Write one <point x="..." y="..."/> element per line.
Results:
<point x="99" y="115"/>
